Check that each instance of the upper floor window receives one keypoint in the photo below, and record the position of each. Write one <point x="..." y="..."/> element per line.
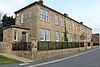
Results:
<point x="61" y="21"/>
<point x="68" y="23"/>
<point x="42" y="35"/>
<point x="73" y="25"/>
<point x="57" y="36"/>
<point x="56" y="19"/>
<point x="22" y="17"/>
<point x="42" y="14"/>
<point x="47" y="35"/>
<point x="15" y="35"/>
<point x="47" y="16"/>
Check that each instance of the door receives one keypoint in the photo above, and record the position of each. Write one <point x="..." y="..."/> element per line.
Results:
<point x="24" y="37"/>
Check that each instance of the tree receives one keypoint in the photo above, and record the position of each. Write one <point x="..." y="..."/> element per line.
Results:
<point x="75" y="37"/>
<point x="1" y="29"/>
<point x="83" y="36"/>
<point x="8" y="21"/>
<point x="65" y="35"/>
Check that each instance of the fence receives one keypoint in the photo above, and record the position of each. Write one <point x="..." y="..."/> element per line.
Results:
<point x="95" y="44"/>
<point x="1" y="46"/>
<point x="18" y="46"/>
<point x="46" y="45"/>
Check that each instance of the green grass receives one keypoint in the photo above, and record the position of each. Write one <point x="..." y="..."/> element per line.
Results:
<point x="5" y="60"/>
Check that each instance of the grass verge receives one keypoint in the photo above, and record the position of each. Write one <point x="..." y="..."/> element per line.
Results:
<point x="6" y="60"/>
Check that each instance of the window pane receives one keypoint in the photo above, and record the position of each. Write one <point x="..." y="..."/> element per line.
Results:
<point x="15" y="35"/>
<point x="42" y="14"/>
<point x="24" y="37"/>
<point x="47" y="16"/>
<point x="62" y="36"/>
<point x="47" y="35"/>
<point x="57" y="36"/>
<point x="56" y="19"/>
<point x="42" y="35"/>
<point x="61" y="21"/>
<point x="22" y="17"/>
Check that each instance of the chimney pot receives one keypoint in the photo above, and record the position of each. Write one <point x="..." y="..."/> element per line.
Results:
<point x="40" y="1"/>
<point x="65" y="14"/>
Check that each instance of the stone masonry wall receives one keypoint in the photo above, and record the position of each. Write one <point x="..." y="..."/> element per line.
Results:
<point x="7" y="40"/>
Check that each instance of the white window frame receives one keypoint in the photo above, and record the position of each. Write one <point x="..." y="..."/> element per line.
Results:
<point x="56" y="20"/>
<point x="47" y="35"/>
<point x="42" y="32"/>
<point x="47" y="16"/>
<point x="22" y="18"/>
<point x="61" y="21"/>
<point x="42" y="14"/>
<point x="57" y="36"/>
<point x="68" y="23"/>
<point x="15" y="35"/>
<point x="62" y="36"/>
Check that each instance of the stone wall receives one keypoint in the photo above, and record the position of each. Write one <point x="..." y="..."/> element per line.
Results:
<point x="73" y="27"/>
<point x="24" y="54"/>
<point x="38" y="55"/>
<point x="30" y="16"/>
<point x="7" y="40"/>
<point x="53" y="53"/>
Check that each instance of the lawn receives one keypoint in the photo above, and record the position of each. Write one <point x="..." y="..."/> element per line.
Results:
<point x="5" y="60"/>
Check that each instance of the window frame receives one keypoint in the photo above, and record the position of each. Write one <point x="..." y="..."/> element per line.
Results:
<point x="62" y="36"/>
<point x="47" y="31"/>
<point x="16" y="35"/>
<point x="42" y="14"/>
<point x="57" y="36"/>
<point x="61" y="21"/>
<point x="42" y="32"/>
<point x="47" y="16"/>
<point x="22" y="17"/>
<point x="56" y="20"/>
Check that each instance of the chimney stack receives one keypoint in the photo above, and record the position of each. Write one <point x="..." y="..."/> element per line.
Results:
<point x="81" y="23"/>
<point x="65" y="14"/>
<point x="40" y="1"/>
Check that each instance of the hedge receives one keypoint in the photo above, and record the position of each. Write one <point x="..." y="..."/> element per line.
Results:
<point x="46" y="45"/>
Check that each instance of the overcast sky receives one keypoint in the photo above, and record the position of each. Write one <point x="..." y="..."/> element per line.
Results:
<point x="86" y="11"/>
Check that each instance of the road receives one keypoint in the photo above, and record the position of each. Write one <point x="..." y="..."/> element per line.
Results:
<point x="90" y="58"/>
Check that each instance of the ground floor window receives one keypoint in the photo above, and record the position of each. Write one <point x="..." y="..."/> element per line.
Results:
<point x="47" y="35"/>
<point x="15" y="35"/>
<point x="42" y="34"/>
<point x="62" y="34"/>
<point x="57" y="36"/>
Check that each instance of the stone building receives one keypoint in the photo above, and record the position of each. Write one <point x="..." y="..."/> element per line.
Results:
<point x="95" y="38"/>
<point x="38" y="22"/>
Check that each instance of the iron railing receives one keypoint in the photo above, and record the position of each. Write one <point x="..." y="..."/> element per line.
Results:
<point x="46" y="45"/>
<point x="18" y="46"/>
